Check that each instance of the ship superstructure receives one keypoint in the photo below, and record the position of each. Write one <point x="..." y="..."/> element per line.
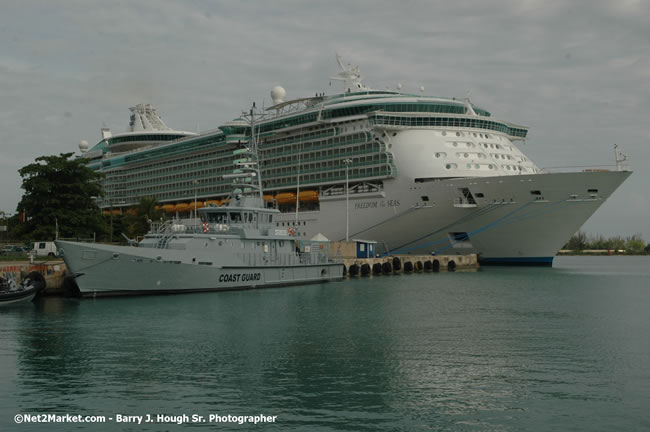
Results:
<point x="416" y="173"/>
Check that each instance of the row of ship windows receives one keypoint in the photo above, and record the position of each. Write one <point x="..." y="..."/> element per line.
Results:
<point x="451" y="166"/>
<point x="177" y="163"/>
<point x="159" y="192"/>
<point x="476" y="135"/>
<point x="325" y="154"/>
<point x="191" y="144"/>
<point x="311" y="178"/>
<point x="439" y="155"/>
<point x="325" y="165"/>
<point x="309" y="136"/>
<point x="473" y="123"/>
<point x="316" y="145"/>
<point x="181" y="171"/>
<point x="363" y="173"/>
<point x="468" y="144"/>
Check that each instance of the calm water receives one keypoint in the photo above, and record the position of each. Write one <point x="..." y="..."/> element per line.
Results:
<point x="504" y="349"/>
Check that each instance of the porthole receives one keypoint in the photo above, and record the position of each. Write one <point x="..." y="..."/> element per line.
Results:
<point x="476" y="166"/>
<point x="448" y="166"/>
<point x="466" y="155"/>
<point x="457" y="133"/>
<point x="474" y="134"/>
<point x="469" y="166"/>
<point x="455" y="144"/>
<point x="444" y="133"/>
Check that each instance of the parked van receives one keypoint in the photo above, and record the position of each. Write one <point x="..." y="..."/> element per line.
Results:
<point x="45" y="249"/>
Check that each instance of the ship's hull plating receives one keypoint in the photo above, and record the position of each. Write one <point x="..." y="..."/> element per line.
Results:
<point x="516" y="219"/>
<point x="122" y="270"/>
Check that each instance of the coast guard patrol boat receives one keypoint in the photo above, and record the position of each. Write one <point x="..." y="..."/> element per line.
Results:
<point x="229" y="247"/>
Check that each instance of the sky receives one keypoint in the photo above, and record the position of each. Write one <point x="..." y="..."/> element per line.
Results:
<point x="576" y="72"/>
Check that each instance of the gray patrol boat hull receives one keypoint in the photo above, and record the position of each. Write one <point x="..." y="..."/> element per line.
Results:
<point x="126" y="270"/>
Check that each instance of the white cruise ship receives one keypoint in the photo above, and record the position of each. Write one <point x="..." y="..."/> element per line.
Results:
<point x="418" y="174"/>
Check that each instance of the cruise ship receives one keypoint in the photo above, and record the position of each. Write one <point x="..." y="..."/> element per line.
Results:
<point x="417" y="174"/>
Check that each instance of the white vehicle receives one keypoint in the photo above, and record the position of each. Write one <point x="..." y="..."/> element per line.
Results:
<point x="45" y="249"/>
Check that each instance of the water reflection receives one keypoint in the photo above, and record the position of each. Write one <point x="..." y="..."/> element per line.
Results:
<point x="490" y="350"/>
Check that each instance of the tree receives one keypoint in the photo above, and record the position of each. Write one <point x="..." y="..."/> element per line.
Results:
<point x="577" y="242"/>
<point x="634" y="244"/>
<point x="139" y="223"/>
<point x="60" y="190"/>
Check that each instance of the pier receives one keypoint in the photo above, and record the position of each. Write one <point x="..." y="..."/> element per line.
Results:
<point x="407" y="264"/>
<point x="359" y="259"/>
<point x="53" y="271"/>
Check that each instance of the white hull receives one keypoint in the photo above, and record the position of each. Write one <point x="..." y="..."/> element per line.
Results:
<point x="507" y="225"/>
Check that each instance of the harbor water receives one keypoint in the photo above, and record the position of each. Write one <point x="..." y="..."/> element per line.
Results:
<point x="502" y="349"/>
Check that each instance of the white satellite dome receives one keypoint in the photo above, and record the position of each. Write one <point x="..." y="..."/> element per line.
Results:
<point x="277" y="94"/>
<point x="83" y="146"/>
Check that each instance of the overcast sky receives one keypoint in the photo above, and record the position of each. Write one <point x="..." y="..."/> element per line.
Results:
<point x="576" y="72"/>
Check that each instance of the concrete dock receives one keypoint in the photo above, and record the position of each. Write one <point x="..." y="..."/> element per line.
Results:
<point x="405" y="264"/>
<point x="52" y="271"/>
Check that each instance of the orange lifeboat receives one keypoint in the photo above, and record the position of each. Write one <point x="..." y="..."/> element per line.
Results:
<point x="199" y="204"/>
<point x="286" y="198"/>
<point x="169" y="208"/>
<point x="308" y="196"/>
<point x="182" y="207"/>
<point x="268" y="198"/>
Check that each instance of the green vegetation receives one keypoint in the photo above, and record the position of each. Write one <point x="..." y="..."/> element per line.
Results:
<point x="58" y="190"/>
<point x="138" y="223"/>
<point x="631" y="245"/>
